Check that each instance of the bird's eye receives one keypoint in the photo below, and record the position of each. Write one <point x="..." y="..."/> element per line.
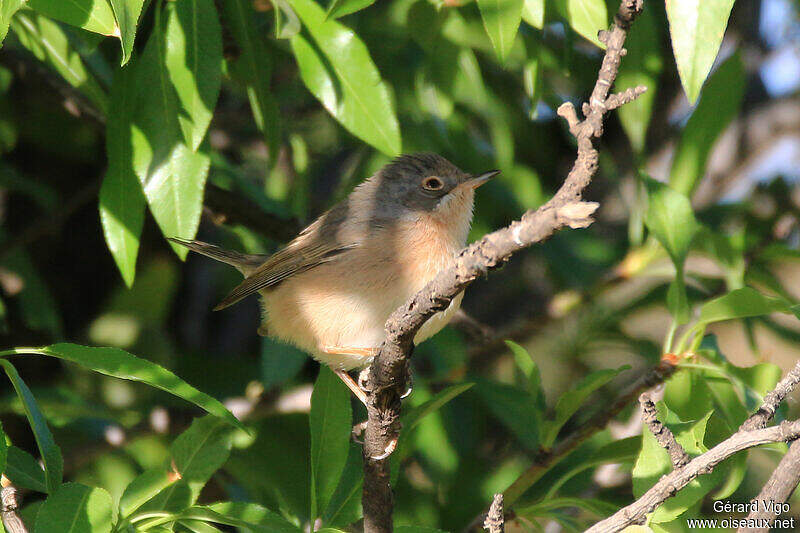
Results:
<point x="432" y="184"/>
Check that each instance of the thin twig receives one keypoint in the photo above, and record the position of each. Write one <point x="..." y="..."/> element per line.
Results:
<point x="388" y="371"/>
<point x="778" y="488"/>
<point x="495" y="521"/>
<point x="670" y="484"/>
<point x="663" y="435"/>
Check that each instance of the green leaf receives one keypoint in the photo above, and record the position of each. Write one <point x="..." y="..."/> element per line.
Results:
<point x="7" y="10"/>
<point x="122" y="203"/>
<point x="259" y="518"/>
<point x="195" y="455"/>
<point x="127" y="14"/>
<point x="344" y="507"/>
<point x="741" y="303"/>
<point x="3" y="450"/>
<point x="412" y="417"/>
<point x="144" y="488"/>
<point x="417" y="529"/>
<point x="642" y="65"/>
<point x="515" y="407"/>
<point x="533" y="13"/>
<point x="121" y="364"/>
<point x="340" y="8"/>
<point x="593" y="506"/>
<point x="76" y="508"/>
<point x="37" y="305"/>
<point x="671" y="220"/>
<point x="196" y="526"/>
<point x="331" y="422"/>
<point x="193" y="59"/>
<point x="587" y="17"/>
<point x="49" y="450"/>
<point x="697" y="29"/>
<point x="719" y="103"/>
<point x="91" y="15"/>
<point x="24" y="470"/>
<point x="254" y="69"/>
<point x="531" y="371"/>
<point x="501" y="19"/>
<point x="336" y="67"/>
<point x="48" y="42"/>
<point x="571" y="401"/>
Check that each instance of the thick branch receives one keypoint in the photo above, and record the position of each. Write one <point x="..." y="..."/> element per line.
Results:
<point x="663" y="435"/>
<point x="772" y="400"/>
<point x="495" y="520"/>
<point x="779" y="487"/>
<point x="670" y="484"/>
<point x="388" y="370"/>
<point x="8" y="511"/>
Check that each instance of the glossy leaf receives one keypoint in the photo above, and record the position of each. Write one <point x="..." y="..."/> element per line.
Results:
<point x="76" y="508"/>
<point x="122" y="203"/>
<point x="24" y="470"/>
<point x="697" y="28"/>
<point x="718" y="104"/>
<point x="143" y="488"/>
<point x="742" y="303"/>
<point x="254" y="515"/>
<point x="193" y="59"/>
<point x="7" y="10"/>
<point x="642" y="66"/>
<point x="121" y="364"/>
<point x="336" y="67"/>
<point x="331" y="424"/>
<point x="501" y="19"/>
<point x="573" y="399"/>
<point x="127" y="14"/>
<point x="340" y="8"/>
<point x="195" y="455"/>
<point x="172" y="175"/>
<point x="587" y="17"/>
<point x="48" y="42"/>
<point x="49" y="450"/>
<point x="533" y="13"/>
<point x="254" y="69"/>
<point x="91" y="15"/>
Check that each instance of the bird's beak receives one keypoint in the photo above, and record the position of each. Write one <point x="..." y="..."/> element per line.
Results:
<point x="479" y="180"/>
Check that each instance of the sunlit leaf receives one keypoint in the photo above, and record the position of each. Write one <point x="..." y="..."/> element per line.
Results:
<point x="331" y="424"/>
<point x="92" y="15"/>
<point x="49" y="450"/>
<point x="719" y="103"/>
<point x="48" y="42"/>
<point x="414" y="416"/>
<point x="501" y="19"/>
<point x="340" y="8"/>
<point x="587" y="17"/>
<point x="122" y="203"/>
<point x="697" y="28"/>
<point x="121" y="364"/>
<point x="193" y="59"/>
<point x="127" y="14"/>
<point x="143" y="488"/>
<point x="7" y="10"/>
<point x="254" y="515"/>
<point x="741" y="303"/>
<point x="76" y="508"/>
<point x="337" y="69"/>
<point x="533" y="13"/>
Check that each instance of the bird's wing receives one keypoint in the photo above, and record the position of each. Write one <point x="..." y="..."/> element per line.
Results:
<point x="245" y="263"/>
<point x="299" y="256"/>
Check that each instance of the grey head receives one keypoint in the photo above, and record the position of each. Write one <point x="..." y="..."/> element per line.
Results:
<point x="419" y="182"/>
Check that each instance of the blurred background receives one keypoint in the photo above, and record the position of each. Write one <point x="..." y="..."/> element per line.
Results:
<point x="584" y="300"/>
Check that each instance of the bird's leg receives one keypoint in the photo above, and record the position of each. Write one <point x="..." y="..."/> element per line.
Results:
<point x="351" y="384"/>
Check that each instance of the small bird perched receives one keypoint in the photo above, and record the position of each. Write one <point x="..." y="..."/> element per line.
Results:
<point x="332" y="288"/>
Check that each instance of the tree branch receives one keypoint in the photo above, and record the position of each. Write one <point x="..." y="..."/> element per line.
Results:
<point x="772" y="400"/>
<point x="777" y="489"/>
<point x="663" y="435"/>
<point x="10" y="503"/>
<point x="495" y="520"/>
<point x="388" y="371"/>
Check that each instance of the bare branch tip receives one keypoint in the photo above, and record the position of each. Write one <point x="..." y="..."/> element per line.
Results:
<point x="495" y="520"/>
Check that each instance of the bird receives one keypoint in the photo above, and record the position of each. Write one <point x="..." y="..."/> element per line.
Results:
<point x="331" y="289"/>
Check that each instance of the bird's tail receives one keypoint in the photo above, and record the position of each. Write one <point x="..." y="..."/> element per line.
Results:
<point x="245" y="263"/>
